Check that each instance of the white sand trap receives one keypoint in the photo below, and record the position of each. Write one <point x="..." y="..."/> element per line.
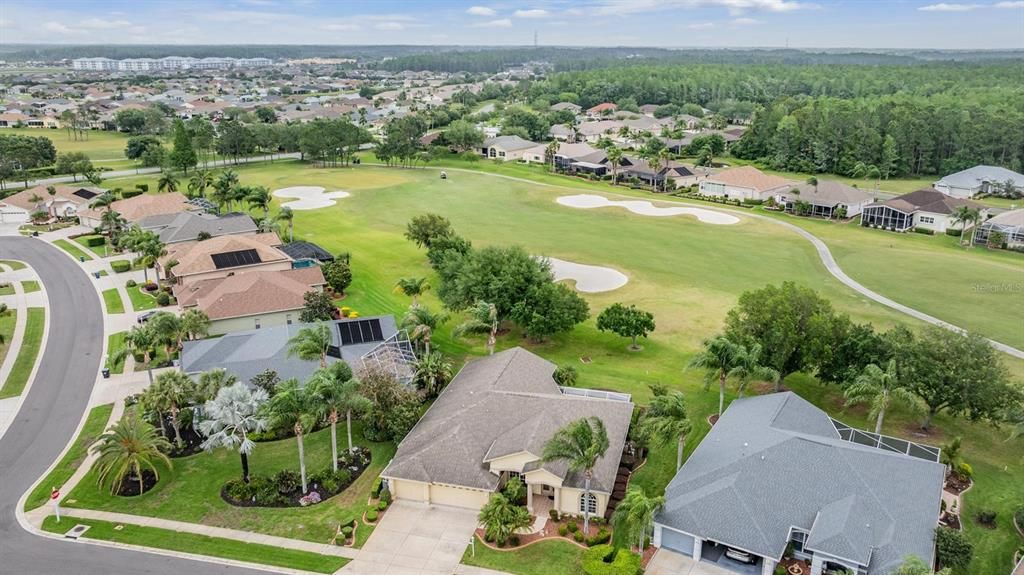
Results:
<point x="645" y="208"/>
<point x="589" y="279"/>
<point x="309" y="197"/>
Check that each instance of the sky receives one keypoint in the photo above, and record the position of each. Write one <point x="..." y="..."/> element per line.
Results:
<point x="954" y="24"/>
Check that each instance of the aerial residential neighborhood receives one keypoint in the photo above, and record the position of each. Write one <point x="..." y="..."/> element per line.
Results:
<point x="560" y="288"/>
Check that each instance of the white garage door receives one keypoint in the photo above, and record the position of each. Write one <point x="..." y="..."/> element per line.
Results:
<point x="13" y="217"/>
<point x="458" y="496"/>
<point x="677" y="541"/>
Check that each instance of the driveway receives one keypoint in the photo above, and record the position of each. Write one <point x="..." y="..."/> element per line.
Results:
<point x="416" y="539"/>
<point x="667" y="562"/>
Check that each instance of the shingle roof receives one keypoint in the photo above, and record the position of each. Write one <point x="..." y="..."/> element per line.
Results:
<point x="186" y="226"/>
<point x="145" y="205"/>
<point x="974" y="177"/>
<point x="831" y="193"/>
<point x="509" y="143"/>
<point x="750" y="177"/>
<point x="251" y="293"/>
<point x="501" y="405"/>
<point x="197" y="257"/>
<point x="929" y="200"/>
<point x="22" y="199"/>
<point x="776" y="461"/>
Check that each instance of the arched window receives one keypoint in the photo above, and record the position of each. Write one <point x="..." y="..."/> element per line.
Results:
<point x="588" y="503"/>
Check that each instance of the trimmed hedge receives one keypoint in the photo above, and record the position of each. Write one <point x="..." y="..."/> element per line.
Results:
<point x="956" y="233"/>
<point x="371" y="515"/>
<point x="924" y="231"/>
<point x="94" y="241"/>
<point x="131" y="194"/>
<point x="120" y="266"/>
<point x="606" y="560"/>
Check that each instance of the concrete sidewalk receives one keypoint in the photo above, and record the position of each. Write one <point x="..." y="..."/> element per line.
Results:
<point x="18" y="304"/>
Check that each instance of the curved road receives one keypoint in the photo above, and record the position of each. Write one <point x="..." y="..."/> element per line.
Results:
<point x="49" y="417"/>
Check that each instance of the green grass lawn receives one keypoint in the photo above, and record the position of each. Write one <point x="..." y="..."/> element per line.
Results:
<point x="141" y="301"/>
<point x="72" y="248"/>
<point x="115" y="342"/>
<point x="100" y="251"/>
<point x="7" y="289"/>
<point x="190" y="491"/>
<point x="29" y="286"/>
<point x="94" y="426"/>
<point x="201" y="545"/>
<point x="544" y="558"/>
<point x="13" y="264"/>
<point x="26" y="360"/>
<point x="112" y="301"/>
<point x="100" y="145"/>
<point x="7" y="323"/>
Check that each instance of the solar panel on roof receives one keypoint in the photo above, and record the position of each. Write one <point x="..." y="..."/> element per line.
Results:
<point x="86" y="194"/>
<point x="235" y="259"/>
<point x="361" y="331"/>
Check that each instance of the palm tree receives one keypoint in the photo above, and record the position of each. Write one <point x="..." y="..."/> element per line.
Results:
<point x="549" y="153"/>
<point x="614" y="160"/>
<point x="951" y="455"/>
<point x="483" y="318"/>
<point x="167" y="328"/>
<point x="634" y="516"/>
<point x="432" y="372"/>
<point x="201" y="180"/>
<point x="259" y="197"/>
<point x="813" y="181"/>
<point x="230" y="417"/>
<point x="721" y="358"/>
<point x="501" y="518"/>
<point x="880" y="388"/>
<point x="112" y="222"/>
<point x="334" y="390"/>
<point x="580" y="444"/>
<point x="167" y="183"/>
<point x="211" y="382"/>
<point x="140" y="339"/>
<point x="664" y="159"/>
<point x="224" y="186"/>
<point x="126" y="449"/>
<point x="292" y="406"/>
<point x="286" y="215"/>
<point x="412" y="287"/>
<point x="311" y="343"/>
<point x="195" y="324"/>
<point x="171" y="391"/>
<point x="421" y="323"/>
<point x="666" y="421"/>
<point x="964" y="215"/>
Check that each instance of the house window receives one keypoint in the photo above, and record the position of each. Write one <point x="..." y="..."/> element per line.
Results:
<point x="257" y="323"/>
<point x="588" y="503"/>
<point x="288" y="318"/>
<point x="798" y="540"/>
<point x="927" y="220"/>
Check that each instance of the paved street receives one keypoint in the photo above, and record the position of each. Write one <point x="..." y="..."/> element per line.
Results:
<point x="49" y="417"/>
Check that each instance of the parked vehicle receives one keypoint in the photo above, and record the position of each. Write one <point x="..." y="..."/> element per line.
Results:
<point x="144" y="317"/>
<point x="741" y="556"/>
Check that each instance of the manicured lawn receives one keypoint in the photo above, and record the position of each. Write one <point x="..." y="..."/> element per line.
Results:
<point x="13" y="264"/>
<point x="191" y="490"/>
<point x="141" y="301"/>
<point x="201" y="545"/>
<point x="29" y="286"/>
<point x="74" y="249"/>
<point x="114" y="343"/>
<point x="112" y="301"/>
<point x="94" y="426"/>
<point x="544" y="558"/>
<point x="26" y="360"/>
<point x="100" y="251"/>
<point x="7" y="323"/>
<point x="7" y="288"/>
<point x="101" y="145"/>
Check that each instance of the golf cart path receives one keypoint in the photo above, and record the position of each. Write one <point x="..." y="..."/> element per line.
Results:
<point x="824" y="254"/>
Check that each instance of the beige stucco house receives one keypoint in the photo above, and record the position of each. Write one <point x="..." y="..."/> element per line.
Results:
<point x="66" y="202"/>
<point x="139" y="207"/>
<point x="744" y="183"/>
<point x="491" y="423"/>
<point x="223" y="256"/>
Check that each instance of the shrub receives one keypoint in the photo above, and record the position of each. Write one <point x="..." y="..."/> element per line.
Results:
<point x="514" y="541"/>
<point x="986" y="517"/>
<point x="377" y="484"/>
<point x="603" y="536"/>
<point x="924" y="231"/>
<point x="143" y="188"/>
<point x="515" y="490"/>
<point x="348" y="520"/>
<point x="1018" y="516"/>
<point x="553" y="513"/>
<point x="371" y="515"/>
<point x="573" y="527"/>
<point x="385" y="495"/>
<point x="163" y="299"/>
<point x="94" y="241"/>
<point x="956" y="233"/>
<point x="240" y="490"/>
<point x="382" y="505"/>
<point x="287" y="481"/>
<point x="952" y="548"/>
<point x="578" y="536"/>
<point x="346" y="531"/>
<point x="606" y="560"/>
<point x="752" y="201"/>
<point x="565" y="375"/>
<point x="563" y="530"/>
<point x="964" y="470"/>
<point x="121" y="266"/>
<point x="131" y="193"/>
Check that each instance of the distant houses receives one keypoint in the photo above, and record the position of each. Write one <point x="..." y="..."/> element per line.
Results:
<point x="65" y="202"/>
<point x="927" y="209"/>
<point x="1009" y="224"/>
<point x="507" y="148"/>
<point x="980" y="180"/>
<point x="826" y="199"/>
<point x="744" y="183"/>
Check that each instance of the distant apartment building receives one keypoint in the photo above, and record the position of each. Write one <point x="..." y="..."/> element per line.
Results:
<point x="167" y="63"/>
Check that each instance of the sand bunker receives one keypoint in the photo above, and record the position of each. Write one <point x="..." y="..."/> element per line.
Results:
<point x="589" y="279"/>
<point x="645" y="208"/>
<point x="308" y="197"/>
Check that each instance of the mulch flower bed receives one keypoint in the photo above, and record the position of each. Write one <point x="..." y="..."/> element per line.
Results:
<point x="549" y="531"/>
<point x="269" y="492"/>
<point x="951" y="520"/>
<point x="956" y="484"/>
<point x="713" y="419"/>
<point x="130" y="485"/>
<point x="795" y="566"/>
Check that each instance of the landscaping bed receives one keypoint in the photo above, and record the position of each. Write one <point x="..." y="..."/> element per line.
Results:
<point x="284" y="489"/>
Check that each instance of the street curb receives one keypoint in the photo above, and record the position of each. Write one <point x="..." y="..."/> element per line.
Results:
<point x="42" y="344"/>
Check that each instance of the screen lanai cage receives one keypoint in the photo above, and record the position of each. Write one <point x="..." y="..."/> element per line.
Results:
<point x="886" y="443"/>
<point x="394" y="356"/>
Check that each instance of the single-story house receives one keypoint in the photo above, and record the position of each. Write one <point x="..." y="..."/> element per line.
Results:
<point x="300" y="250"/>
<point x="252" y="300"/>
<point x="567" y="106"/>
<point x="594" y="131"/>
<point x="826" y="198"/>
<point x="508" y="148"/>
<point x="188" y="226"/>
<point x="744" y="183"/>
<point x="978" y="180"/>
<point x="223" y="256"/>
<point x="66" y="202"/>
<point x="562" y="133"/>
<point x="1010" y="224"/>
<point x="491" y="423"/>
<point x="777" y="473"/>
<point x="358" y="342"/>
<point x="678" y="174"/>
<point x="138" y="207"/>
<point x="604" y="108"/>
<point x="927" y="209"/>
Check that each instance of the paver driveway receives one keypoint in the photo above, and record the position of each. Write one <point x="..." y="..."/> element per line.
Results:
<point x="416" y="539"/>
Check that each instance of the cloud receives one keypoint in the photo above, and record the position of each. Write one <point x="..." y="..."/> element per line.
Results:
<point x="258" y="2"/>
<point x="100" y="24"/>
<point x="701" y="26"/>
<point x="390" y="26"/>
<point x="735" y="7"/>
<point x="337" y="27"/>
<point x="5" y="23"/>
<point x="481" y="11"/>
<point x="1014" y="4"/>
<point x="944" y="7"/>
<point x="56" y="27"/>
<point x="501" y="23"/>
<point x="744" y="21"/>
<point x="535" y="13"/>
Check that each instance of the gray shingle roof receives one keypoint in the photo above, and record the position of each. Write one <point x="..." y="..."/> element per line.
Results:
<point x="928" y="200"/>
<point x="974" y="177"/>
<point x="776" y="461"/>
<point x="509" y="143"/>
<point x="831" y="193"/>
<point x="186" y="226"/>
<point x="501" y="405"/>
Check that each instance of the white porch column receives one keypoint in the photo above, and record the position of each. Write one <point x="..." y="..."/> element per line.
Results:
<point x="816" y="565"/>
<point x="656" y="540"/>
<point x="767" y="566"/>
<point x="529" y="498"/>
<point x="558" y="499"/>
<point x="426" y="492"/>
<point x="698" y="547"/>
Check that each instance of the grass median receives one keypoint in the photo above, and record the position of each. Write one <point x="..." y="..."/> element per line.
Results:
<point x="30" y="286"/>
<point x="115" y="342"/>
<point x="13" y="264"/>
<point x="18" y="378"/>
<point x="112" y="301"/>
<point x="74" y="249"/>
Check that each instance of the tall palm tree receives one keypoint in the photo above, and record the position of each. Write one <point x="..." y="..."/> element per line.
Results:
<point x="483" y="318"/>
<point x="666" y="421"/>
<point x="224" y="186"/>
<point x="230" y="417"/>
<point x="880" y="388"/>
<point x="293" y="406"/>
<point x="172" y="391"/>
<point x="432" y="372"/>
<point x="421" y="323"/>
<point x="126" y="449"/>
<point x="721" y="358"/>
<point x="168" y="182"/>
<point x="113" y="223"/>
<point x="195" y="324"/>
<point x="614" y="160"/>
<point x="334" y="391"/>
<point x="549" y="153"/>
<point x="412" y="287"/>
<point x="664" y="160"/>
<point x="964" y="215"/>
<point x="167" y="328"/>
<point x="286" y="215"/>
<point x="580" y="444"/>
<point x="633" y="517"/>
<point x="211" y="382"/>
<point x="311" y="343"/>
<point x="140" y="339"/>
<point x="201" y="180"/>
<point x="259" y="197"/>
